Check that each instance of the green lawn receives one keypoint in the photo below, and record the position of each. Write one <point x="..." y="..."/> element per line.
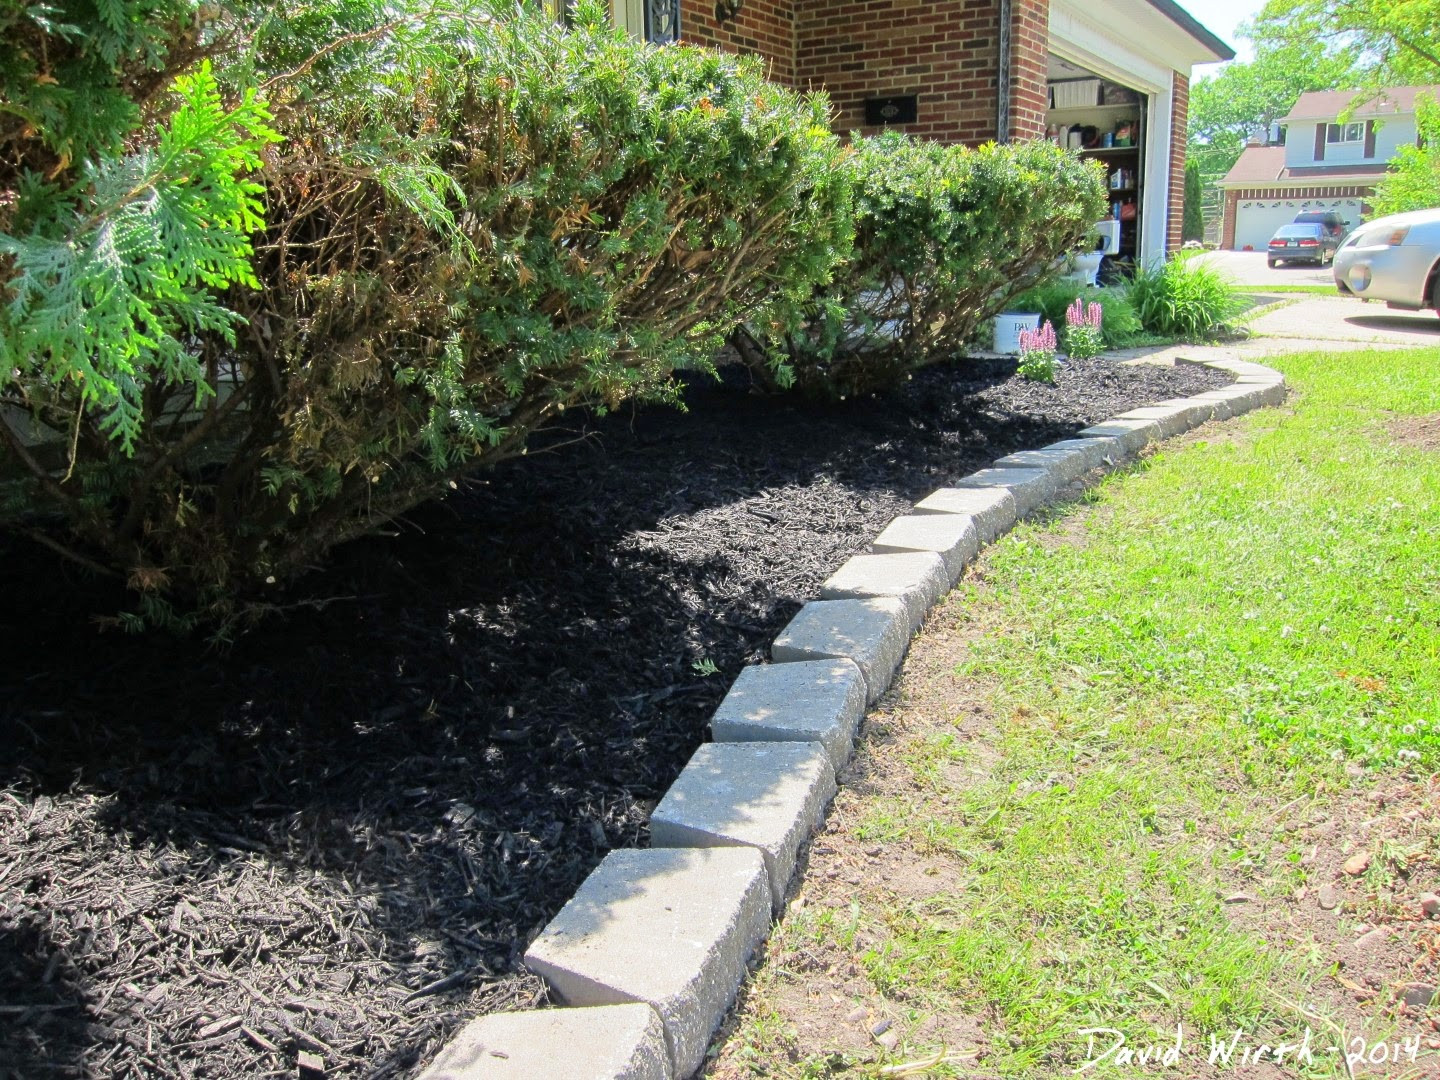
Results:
<point x="1179" y="675"/>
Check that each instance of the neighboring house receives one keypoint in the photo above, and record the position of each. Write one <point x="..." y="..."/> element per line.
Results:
<point x="974" y="70"/>
<point x="1322" y="163"/>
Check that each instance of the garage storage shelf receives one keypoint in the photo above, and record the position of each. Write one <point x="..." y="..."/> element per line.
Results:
<point x="1106" y="118"/>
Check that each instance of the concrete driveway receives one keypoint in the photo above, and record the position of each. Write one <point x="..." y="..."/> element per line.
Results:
<point x="1344" y="319"/>
<point x="1248" y="268"/>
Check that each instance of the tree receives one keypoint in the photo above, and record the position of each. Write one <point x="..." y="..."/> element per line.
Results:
<point x="1395" y="42"/>
<point x="1245" y="99"/>
<point x="1192" y="222"/>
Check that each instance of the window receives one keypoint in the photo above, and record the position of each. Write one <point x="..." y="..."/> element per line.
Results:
<point x="1344" y="133"/>
<point x="655" y="21"/>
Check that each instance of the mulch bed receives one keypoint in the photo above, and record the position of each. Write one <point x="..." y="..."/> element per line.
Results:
<point x="338" y="835"/>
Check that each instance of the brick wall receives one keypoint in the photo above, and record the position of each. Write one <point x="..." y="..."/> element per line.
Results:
<point x="1029" y="48"/>
<point x="765" y="28"/>
<point x="1179" y="115"/>
<point x="1233" y="197"/>
<point x="946" y="52"/>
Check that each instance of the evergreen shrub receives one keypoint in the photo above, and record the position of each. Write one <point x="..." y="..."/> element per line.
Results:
<point x="945" y="238"/>
<point x="375" y="289"/>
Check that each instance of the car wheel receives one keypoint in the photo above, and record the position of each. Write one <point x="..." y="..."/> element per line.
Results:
<point x="1273" y="263"/>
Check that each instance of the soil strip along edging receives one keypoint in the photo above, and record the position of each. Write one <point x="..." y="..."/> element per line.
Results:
<point x="632" y="937"/>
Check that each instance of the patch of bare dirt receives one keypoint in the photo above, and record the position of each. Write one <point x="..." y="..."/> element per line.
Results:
<point x="1371" y="856"/>
<point x="1417" y="432"/>
<point x="810" y="1006"/>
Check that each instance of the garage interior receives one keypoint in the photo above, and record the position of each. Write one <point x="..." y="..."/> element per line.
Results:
<point x="1104" y="120"/>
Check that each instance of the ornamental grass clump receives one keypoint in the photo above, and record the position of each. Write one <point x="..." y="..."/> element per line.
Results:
<point x="1037" y="354"/>
<point x="1184" y="298"/>
<point x="1083" y="336"/>
<point x="488" y="219"/>
<point x="945" y="238"/>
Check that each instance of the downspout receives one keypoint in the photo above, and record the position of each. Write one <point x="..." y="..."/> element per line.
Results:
<point x="1002" y="109"/>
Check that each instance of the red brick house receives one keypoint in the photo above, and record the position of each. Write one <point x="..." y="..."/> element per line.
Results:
<point x="975" y="70"/>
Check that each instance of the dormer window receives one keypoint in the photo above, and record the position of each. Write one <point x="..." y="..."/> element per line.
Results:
<point x="1344" y="133"/>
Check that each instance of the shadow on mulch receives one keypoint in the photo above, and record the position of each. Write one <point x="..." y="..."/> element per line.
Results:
<point x="339" y="835"/>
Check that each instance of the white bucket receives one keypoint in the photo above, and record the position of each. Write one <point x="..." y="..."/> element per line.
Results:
<point x="1007" y="330"/>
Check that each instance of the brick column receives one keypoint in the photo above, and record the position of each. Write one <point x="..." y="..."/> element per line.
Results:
<point x="1179" y="116"/>
<point x="1029" y="52"/>
<point x="1227" y="220"/>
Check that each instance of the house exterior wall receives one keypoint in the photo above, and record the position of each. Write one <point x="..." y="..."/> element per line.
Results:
<point x="945" y="52"/>
<point x="1179" y="112"/>
<point x="1391" y="133"/>
<point x="1234" y="196"/>
<point x="764" y="28"/>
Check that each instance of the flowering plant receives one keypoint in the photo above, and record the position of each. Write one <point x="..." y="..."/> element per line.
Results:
<point x="1037" y="354"/>
<point x="1082" y="330"/>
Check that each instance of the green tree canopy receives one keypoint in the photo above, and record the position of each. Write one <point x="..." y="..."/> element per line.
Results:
<point x="1246" y="98"/>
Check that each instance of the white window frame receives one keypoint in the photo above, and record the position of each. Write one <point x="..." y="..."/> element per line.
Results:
<point x="1339" y="134"/>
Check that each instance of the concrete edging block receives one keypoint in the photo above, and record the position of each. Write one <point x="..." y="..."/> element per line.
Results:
<point x="769" y="796"/>
<point x="673" y="928"/>
<point x="915" y="578"/>
<point x="1031" y="487"/>
<point x="953" y="537"/>
<point x="818" y="701"/>
<point x="1172" y="420"/>
<point x="991" y="509"/>
<point x="1065" y="463"/>
<point x="873" y="633"/>
<point x="1132" y="435"/>
<point x="609" y="1042"/>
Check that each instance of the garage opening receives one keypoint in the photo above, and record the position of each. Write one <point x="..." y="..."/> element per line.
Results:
<point x="1104" y="120"/>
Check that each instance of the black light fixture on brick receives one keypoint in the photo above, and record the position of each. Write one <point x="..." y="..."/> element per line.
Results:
<point x="727" y="9"/>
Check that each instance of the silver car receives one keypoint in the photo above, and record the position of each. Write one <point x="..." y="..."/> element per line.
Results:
<point x="1395" y="259"/>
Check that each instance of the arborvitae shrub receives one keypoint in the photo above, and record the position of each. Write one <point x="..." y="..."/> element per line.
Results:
<point x="945" y="236"/>
<point x="451" y="254"/>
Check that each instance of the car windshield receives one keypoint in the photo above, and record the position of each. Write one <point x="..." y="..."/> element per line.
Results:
<point x="1297" y="230"/>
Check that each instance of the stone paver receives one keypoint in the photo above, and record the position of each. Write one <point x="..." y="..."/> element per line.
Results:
<point x="992" y="509"/>
<point x="672" y="928"/>
<point x="769" y="796"/>
<point x="953" y="537"/>
<point x="1132" y="435"/>
<point x="915" y="578"/>
<point x="873" y="633"/>
<point x="1031" y="487"/>
<point x="612" y="1042"/>
<point x="1172" y="420"/>
<point x="1068" y="462"/>
<point x="817" y="701"/>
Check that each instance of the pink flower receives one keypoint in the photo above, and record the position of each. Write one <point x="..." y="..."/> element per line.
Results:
<point x="1078" y="314"/>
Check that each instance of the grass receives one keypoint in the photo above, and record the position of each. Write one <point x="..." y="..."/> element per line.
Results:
<point x="1228" y="630"/>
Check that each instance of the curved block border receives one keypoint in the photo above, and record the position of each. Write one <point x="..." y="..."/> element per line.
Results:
<point x="654" y="940"/>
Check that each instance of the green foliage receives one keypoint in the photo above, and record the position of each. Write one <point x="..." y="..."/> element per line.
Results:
<point x="496" y="220"/>
<point x="1413" y="180"/>
<point x="108" y="276"/>
<point x="1397" y="41"/>
<point x="1245" y="98"/>
<point x="945" y="237"/>
<point x="1119" y="324"/>
<point x="1184" y="298"/>
<point x="1192" y="220"/>
<point x="77" y="75"/>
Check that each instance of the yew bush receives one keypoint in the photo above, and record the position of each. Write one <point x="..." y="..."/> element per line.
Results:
<point x="390" y="273"/>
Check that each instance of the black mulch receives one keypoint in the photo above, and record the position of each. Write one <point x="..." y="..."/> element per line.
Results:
<point x="340" y="835"/>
